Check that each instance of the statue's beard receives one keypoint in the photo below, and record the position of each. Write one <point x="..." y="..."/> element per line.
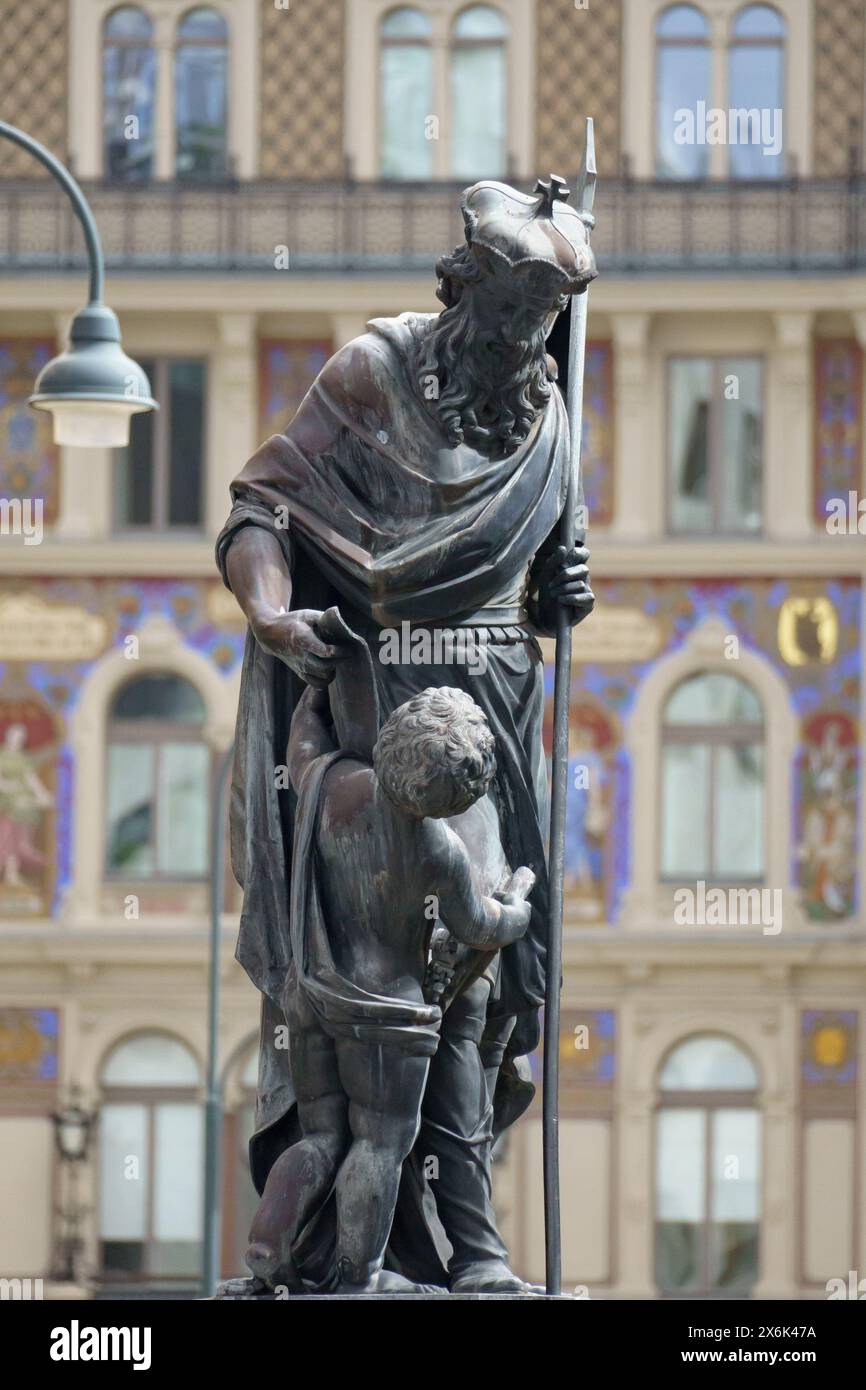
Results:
<point x="485" y="392"/>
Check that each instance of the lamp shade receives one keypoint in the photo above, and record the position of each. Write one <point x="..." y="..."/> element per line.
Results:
<point x="93" y="389"/>
<point x="72" y="1129"/>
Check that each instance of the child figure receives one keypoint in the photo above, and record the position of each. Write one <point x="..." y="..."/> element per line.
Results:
<point x="374" y="866"/>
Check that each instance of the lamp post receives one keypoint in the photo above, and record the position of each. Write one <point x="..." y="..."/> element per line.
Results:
<point x="93" y="389"/>
<point x="73" y="1129"/>
<point x="213" y="1102"/>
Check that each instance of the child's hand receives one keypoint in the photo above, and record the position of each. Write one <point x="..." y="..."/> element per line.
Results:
<point x="518" y="887"/>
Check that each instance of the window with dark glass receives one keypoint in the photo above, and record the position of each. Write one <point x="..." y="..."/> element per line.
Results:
<point x="158" y="789"/>
<point x="159" y="474"/>
<point x="708" y="1171"/>
<point x="712" y="821"/>
<point x="683" y="78"/>
<point x="201" y="95"/>
<point x="715" y="443"/>
<point x="128" y="95"/>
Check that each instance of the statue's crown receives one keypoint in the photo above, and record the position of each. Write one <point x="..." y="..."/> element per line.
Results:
<point x="538" y="238"/>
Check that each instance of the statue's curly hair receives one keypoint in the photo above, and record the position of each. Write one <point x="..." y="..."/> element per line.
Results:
<point x="454" y="270"/>
<point x="435" y="755"/>
<point x="489" y="391"/>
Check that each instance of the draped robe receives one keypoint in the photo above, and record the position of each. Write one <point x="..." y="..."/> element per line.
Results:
<point x="377" y="514"/>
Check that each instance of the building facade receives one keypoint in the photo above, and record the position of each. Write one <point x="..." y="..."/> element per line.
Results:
<point x="267" y="177"/>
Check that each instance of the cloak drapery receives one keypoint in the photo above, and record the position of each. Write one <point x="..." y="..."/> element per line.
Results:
<point x="378" y="515"/>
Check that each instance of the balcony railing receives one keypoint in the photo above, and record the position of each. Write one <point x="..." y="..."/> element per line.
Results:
<point x="799" y="225"/>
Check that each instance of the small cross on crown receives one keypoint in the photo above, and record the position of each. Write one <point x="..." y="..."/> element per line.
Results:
<point x="552" y="190"/>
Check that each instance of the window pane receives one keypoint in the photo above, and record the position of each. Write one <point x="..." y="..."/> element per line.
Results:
<point x="177" y="1204"/>
<point x="741" y="440"/>
<point x="688" y="433"/>
<point x="128" y="23"/>
<point x="162" y="696"/>
<point x="680" y="1166"/>
<point x="713" y="698"/>
<point x="130" y="808"/>
<point x="735" y="1198"/>
<point x="680" y="1197"/>
<point x="733" y="1257"/>
<point x="682" y="22"/>
<point x="134" y="468"/>
<point x="480" y="22"/>
<point x="183" y="809"/>
<point x="685" y="805"/>
<point x="406" y="23"/>
<point x="736" y="1161"/>
<point x="123" y="1174"/>
<point x="200" y="112"/>
<point x="406" y="99"/>
<point x="758" y="22"/>
<point x="478" y="111"/>
<point x="708" y="1064"/>
<point x="128" y="85"/>
<point x="756" y="86"/>
<point x="186" y="428"/>
<point x="203" y="24"/>
<point x="738" y="820"/>
<point x="682" y="80"/>
<point x="151" y="1059"/>
<point x="250" y="1073"/>
<point x="246" y="1199"/>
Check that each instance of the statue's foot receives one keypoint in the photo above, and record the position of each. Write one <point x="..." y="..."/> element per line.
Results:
<point x="272" y="1270"/>
<point x="385" y="1281"/>
<point x="243" y="1288"/>
<point x="491" y="1276"/>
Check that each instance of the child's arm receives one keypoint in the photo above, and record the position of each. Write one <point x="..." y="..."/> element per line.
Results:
<point x="309" y="737"/>
<point x="470" y="916"/>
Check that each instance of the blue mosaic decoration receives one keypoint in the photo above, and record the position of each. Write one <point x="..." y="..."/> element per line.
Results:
<point x="28" y="1044"/>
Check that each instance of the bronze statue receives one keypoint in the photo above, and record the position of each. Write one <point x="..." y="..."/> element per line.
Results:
<point x="420" y="488"/>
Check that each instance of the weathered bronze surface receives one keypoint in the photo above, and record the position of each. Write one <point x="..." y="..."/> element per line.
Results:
<point x="396" y="551"/>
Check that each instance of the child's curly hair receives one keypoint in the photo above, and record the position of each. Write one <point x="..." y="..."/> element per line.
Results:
<point x="435" y="755"/>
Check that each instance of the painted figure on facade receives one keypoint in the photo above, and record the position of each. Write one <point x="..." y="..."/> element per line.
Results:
<point x="421" y="482"/>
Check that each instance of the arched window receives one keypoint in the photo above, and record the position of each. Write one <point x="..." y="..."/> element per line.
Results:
<point x="128" y="94"/>
<point x="478" y="93"/>
<point x="683" y="64"/>
<point x="708" y="1160"/>
<point x="756" y="85"/>
<point x="158" y="781"/>
<point x="201" y="95"/>
<point x="150" y="1160"/>
<point x="712" y="814"/>
<point x="405" y="95"/>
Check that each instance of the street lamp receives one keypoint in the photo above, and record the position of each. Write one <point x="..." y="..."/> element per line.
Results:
<point x="73" y="1126"/>
<point x="73" y="1130"/>
<point x="93" y="389"/>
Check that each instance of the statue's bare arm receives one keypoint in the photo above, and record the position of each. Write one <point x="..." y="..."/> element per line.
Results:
<point x="470" y="916"/>
<point x="259" y="577"/>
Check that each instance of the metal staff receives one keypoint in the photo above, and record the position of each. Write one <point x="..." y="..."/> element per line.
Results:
<point x="572" y="531"/>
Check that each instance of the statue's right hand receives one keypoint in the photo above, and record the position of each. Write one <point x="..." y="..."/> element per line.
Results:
<point x="294" y="639"/>
<point x="518" y="887"/>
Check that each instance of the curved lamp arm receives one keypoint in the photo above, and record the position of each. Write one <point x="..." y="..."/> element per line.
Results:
<point x="92" y="389"/>
<point x="75" y="196"/>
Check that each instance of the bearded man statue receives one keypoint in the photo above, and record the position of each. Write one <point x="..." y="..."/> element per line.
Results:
<point x="419" y="487"/>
